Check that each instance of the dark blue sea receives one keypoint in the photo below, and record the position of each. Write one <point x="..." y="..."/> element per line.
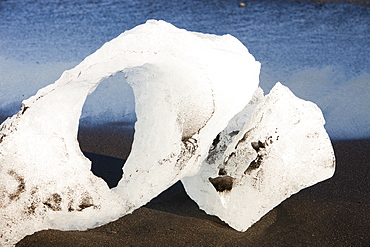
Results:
<point x="320" y="51"/>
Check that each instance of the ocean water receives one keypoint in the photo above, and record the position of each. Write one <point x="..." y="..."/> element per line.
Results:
<point x="320" y="51"/>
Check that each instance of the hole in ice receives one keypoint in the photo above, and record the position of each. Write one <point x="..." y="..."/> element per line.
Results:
<point x="106" y="129"/>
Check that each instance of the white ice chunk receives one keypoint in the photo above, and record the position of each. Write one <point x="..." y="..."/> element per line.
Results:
<point x="282" y="148"/>
<point x="187" y="87"/>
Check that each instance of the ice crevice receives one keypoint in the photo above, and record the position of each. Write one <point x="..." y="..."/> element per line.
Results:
<point x="201" y="119"/>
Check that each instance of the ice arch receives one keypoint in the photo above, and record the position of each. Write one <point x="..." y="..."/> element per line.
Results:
<point x="187" y="87"/>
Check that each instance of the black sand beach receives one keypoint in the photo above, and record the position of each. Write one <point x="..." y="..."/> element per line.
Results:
<point x="335" y="212"/>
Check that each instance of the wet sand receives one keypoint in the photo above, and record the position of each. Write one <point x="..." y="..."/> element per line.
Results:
<point x="335" y="212"/>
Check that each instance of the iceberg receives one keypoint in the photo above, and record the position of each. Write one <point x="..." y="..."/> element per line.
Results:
<point x="272" y="149"/>
<point x="201" y="119"/>
<point x="187" y="87"/>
